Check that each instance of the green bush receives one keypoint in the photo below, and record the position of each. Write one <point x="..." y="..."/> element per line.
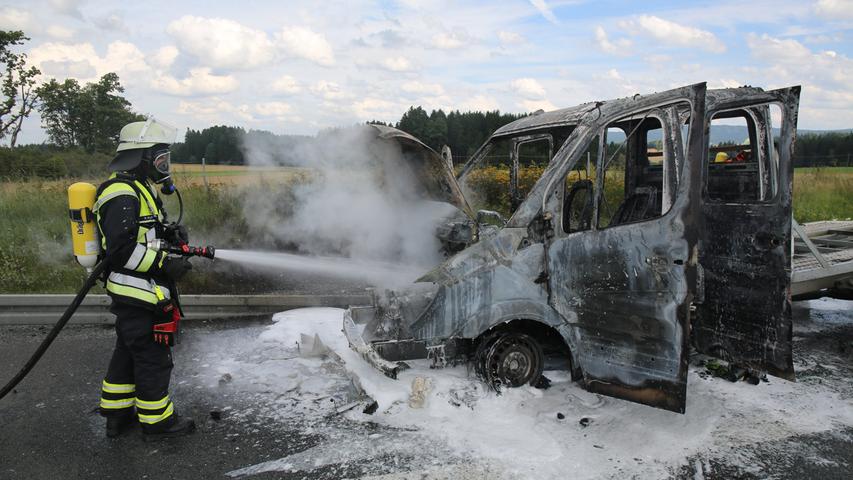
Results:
<point x="48" y="162"/>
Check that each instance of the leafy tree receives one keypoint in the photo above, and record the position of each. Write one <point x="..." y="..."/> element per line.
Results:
<point x="89" y="116"/>
<point x="19" y="95"/>
<point x="60" y="111"/>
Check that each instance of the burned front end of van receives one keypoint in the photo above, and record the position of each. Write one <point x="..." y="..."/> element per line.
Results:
<point x="629" y="241"/>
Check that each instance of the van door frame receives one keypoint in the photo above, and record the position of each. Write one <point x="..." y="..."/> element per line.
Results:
<point x="624" y="365"/>
<point x="744" y="311"/>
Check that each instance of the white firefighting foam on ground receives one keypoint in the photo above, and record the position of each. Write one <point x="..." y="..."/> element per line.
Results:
<point x="464" y="430"/>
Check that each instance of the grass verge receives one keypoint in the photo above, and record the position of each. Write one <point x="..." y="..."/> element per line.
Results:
<point x="35" y="245"/>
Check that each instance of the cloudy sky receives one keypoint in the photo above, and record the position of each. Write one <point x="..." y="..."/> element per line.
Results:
<point x="297" y="67"/>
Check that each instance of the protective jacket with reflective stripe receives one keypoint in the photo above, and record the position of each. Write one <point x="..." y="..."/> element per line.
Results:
<point x="129" y="216"/>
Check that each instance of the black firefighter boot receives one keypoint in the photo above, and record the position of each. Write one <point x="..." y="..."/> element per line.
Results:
<point x="174" y="426"/>
<point x="118" y="424"/>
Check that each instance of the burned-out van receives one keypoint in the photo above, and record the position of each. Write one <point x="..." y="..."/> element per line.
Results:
<point x="631" y="235"/>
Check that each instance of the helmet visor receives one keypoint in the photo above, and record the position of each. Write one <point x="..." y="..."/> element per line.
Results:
<point x="162" y="162"/>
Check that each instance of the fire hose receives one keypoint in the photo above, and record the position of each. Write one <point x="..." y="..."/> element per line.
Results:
<point x="97" y="271"/>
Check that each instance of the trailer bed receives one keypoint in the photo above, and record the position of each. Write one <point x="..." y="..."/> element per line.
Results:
<point x="823" y="258"/>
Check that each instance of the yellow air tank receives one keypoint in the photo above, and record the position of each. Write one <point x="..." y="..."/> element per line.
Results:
<point x="84" y="232"/>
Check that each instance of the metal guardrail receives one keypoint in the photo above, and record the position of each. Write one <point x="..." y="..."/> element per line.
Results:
<point x="46" y="309"/>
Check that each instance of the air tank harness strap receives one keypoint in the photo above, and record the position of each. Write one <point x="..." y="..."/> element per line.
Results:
<point x="83" y="215"/>
<point x="167" y="326"/>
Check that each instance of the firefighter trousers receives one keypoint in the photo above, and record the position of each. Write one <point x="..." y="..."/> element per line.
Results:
<point x="139" y="371"/>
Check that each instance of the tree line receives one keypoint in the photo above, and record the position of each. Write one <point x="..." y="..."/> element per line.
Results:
<point x="464" y="132"/>
<point x="827" y="149"/>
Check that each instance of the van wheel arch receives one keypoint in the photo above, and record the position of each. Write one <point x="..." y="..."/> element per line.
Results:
<point x="522" y="340"/>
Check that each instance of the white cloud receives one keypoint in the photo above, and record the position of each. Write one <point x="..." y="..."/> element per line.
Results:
<point x="658" y="58"/>
<point x="837" y="37"/>
<point x="397" y="64"/>
<point x="164" y="57"/>
<point x="671" y="33"/>
<point x="528" y="88"/>
<point x="420" y="88"/>
<point x="16" y="19"/>
<point x="480" y="102"/>
<point x="545" y="10"/>
<point x="305" y="43"/>
<point x="68" y="7"/>
<point x="123" y="57"/>
<point x="534" y="105"/>
<point x="792" y="62"/>
<point x="328" y="90"/>
<point x="835" y="9"/>
<point x="199" y="82"/>
<point x="110" y="21"/>
<point x="286" y="84"/>
<point x="620" y="46"/>
<point x="59" y="32"/>
<point x="778" y="50"/>
<point x="214" y="110"/>
<point x="221" y="43"/>
<point x="510" y="38"/>
<point x="82" y="62"/>
<point x="448" y="40"/>
<point x="613" y="74"/>
<point x="372" y="108"/>
<point x="825" y="76"/>
<point x="273" y="109"/>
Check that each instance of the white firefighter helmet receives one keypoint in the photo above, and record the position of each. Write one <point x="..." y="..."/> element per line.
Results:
<point x="145" y="134"/>
<point x="136" y="137"/>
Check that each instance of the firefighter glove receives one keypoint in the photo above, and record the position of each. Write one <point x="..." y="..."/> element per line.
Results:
<point x="168" y="326"/>
<point x="176" y="234"/>
<point x="176" y="267"/>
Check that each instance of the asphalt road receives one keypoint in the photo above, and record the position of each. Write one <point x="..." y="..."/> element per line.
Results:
<point x="49" y="428"/>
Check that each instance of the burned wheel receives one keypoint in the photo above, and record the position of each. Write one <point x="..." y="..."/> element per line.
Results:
<point x="510" y="359"/>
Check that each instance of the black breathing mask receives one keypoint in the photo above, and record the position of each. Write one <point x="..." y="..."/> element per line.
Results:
<point x="160" y="172"/>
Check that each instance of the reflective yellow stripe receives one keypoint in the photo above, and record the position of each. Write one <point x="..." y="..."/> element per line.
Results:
<point x="148" y="207"/>
<point x="157" y="418"/>
<point x="131" y="292"/>
<point x="136" y="288"/>
<point x="159" y="293"/>
<point x="136" y="257"/>
<point x="153" y="405"/>
<point x="118" y="387"/>
<point x="111" y="192"/>
<point x="147" y="261"/>
<point x="116" y="404"/>
<point x="136" y="282"/>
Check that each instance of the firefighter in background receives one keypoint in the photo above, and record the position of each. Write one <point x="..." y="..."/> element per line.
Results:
<point x="141" y="282"/>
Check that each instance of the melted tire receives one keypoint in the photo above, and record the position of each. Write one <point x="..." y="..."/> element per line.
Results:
<point x="510" y="359"/>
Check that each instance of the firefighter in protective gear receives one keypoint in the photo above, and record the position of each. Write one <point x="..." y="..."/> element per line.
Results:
<point x="141" y="282"/>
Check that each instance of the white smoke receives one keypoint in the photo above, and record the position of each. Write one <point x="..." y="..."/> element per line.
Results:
<point x="362" y="200"/>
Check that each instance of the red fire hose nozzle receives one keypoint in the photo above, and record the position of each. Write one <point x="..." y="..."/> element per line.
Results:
<point x="183" y="250"/>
